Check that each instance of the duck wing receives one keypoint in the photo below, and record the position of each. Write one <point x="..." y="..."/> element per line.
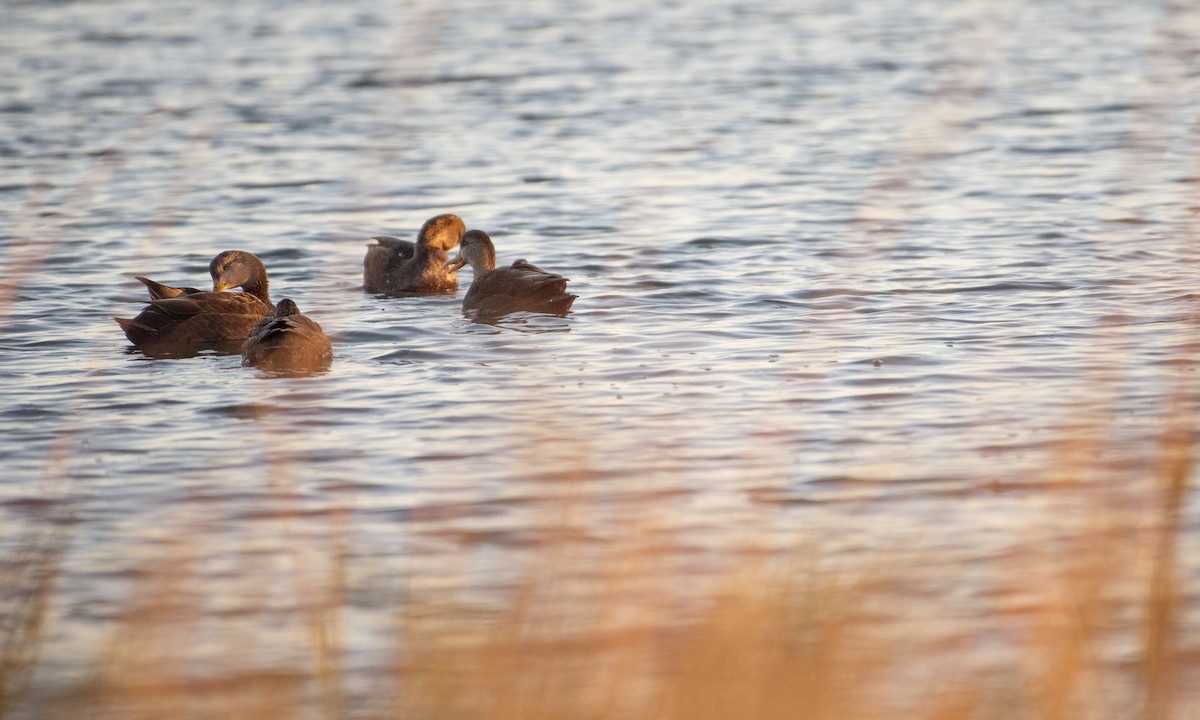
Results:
<point x="196" y="320"/>
<point x="384" y="260"/>
<point x="402" y="248"/>
<point x="158" y="291"/>
<point x="522" y="286"/>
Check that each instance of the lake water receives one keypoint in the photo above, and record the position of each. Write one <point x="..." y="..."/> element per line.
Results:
<point x="873" y="271"/>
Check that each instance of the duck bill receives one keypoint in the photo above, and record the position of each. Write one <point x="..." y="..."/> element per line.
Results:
<point x="219" y="286"/>
<point x="455" y="264"/>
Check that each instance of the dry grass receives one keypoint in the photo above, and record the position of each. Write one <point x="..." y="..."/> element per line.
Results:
<point x="1085" y="627"/>
<point x="26" y="585"/>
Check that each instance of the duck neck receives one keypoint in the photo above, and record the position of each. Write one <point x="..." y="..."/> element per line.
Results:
<point x="480" y="265"/>
<point x="483" y="259"/>
<point x="258" y="288"/>
<point x="425" y="250"/>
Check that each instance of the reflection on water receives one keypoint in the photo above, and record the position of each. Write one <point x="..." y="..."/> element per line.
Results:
<point x="879" y="275"/>
<point x="519" y="321"/>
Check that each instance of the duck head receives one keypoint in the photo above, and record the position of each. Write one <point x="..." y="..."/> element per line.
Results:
<point x="237" y="269"/>
<point x="476" y="250"/>
<point x="441" y="232"/>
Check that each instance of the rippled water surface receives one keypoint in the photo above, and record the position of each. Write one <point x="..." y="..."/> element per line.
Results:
<point x="858" y="267"/>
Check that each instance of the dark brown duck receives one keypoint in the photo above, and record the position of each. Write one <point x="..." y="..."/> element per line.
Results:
<point x="393" y="265"/>
<point x="185" y="320"/>
<point x="287" y="341"/>
<point x="499" y="291"/>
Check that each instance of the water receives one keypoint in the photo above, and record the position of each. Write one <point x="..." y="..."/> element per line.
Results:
<point x="860" y="267"/>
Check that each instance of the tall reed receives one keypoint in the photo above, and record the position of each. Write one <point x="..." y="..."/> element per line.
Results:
<point x="1085" y="625"/>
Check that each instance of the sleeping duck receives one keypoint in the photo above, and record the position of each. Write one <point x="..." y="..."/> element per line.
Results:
<point x="185" y="320"/>
<point x="287" y="341"/>
<point x="499" y="291"/>
<point x="393" y="265"/>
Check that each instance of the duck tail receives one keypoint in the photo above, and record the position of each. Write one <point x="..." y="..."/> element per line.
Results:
<point x="559" y="305"/>
<point x="158" y="291"/>
<point x="134" y="330"/>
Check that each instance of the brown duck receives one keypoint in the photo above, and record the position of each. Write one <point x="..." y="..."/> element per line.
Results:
<point x="287" y="341"/>
<point x="185" y="320"/>
<point x="393" y="265"/>
<point x="499" y="291"/>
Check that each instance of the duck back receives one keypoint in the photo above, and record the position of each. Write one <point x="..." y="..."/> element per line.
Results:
<point x="195" y="321"/>
<point x="520" y="287"/>
<point x="290" y="342"/>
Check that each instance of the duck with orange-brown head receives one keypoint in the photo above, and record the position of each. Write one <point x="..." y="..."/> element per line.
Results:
<point x="393" y="265"/>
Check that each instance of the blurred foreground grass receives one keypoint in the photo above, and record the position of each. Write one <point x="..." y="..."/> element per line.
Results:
<point x="1091" y="624"/>
<point x="1089" y="627"/>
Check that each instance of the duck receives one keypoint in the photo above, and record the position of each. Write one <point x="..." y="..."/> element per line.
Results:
<point x="287" y="341"/>
<point x="393" y="265"/>
<point x="185" y="320"/>
<point x="500" y="291"/>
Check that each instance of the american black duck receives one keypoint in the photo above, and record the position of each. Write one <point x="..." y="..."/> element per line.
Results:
<point x="499" y="291"/>
<point x="287" y="341"/>
<point x="393" y="265"/>
<point x="190" y="320"/>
